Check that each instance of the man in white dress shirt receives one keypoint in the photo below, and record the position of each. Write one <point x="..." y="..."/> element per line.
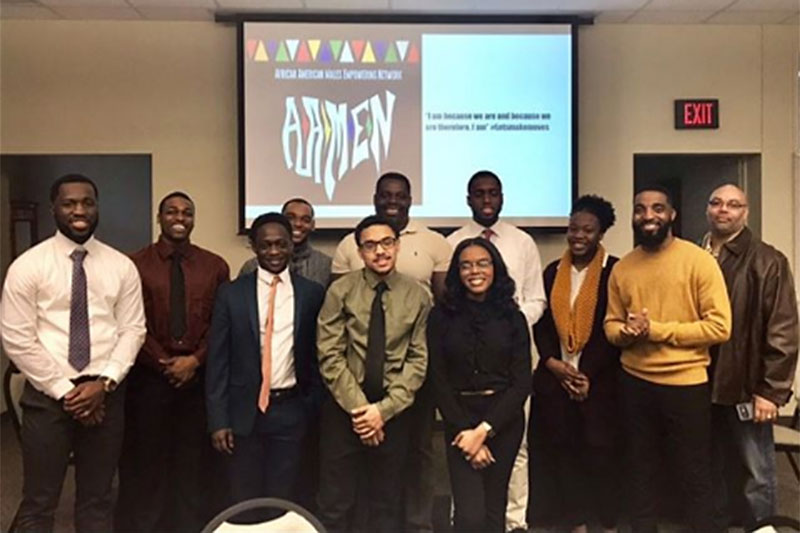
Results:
<point x="72" y="321"/>
<point x="519" y="251"/>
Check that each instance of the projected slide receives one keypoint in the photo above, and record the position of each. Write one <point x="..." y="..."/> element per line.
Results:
<point x="330" y="107"/>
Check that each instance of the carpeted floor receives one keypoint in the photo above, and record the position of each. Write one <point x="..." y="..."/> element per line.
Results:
<point x="11" y="485"/>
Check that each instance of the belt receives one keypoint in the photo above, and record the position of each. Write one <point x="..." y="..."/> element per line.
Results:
<point x="278" y="395"/>
<point x="485" y="392"/>
<point x="83" y="379"/>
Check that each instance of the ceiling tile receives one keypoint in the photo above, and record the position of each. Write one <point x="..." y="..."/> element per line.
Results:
<point x="175" y="13"/>
<point x="765" y="5"/>
<point x="21" y="11"/>
<point x="348" y="5"/>
<point x="197" y="4"/>
<point x="577" y="5"/>
<point x="85" y="3"/>
<point x="669" y="17"/>
<point x="78" y="12"/>
<point x="686" y="5"/>
<point x="431" y="5"/>
<point x="750" y="17"/>
<point x="259" y="5"/>
<point x="613" y="17"/>
<point x="794" y="19"/>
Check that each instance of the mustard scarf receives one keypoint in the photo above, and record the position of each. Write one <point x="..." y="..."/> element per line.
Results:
<point x="574" y="323"/>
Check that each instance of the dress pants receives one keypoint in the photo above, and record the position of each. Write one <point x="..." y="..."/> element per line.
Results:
<point x="49" y="434"/>
<point x="480" y="496"/>
<point x="165" y="456"/>
<point x="743" y="452"/>
<point x="587" y="477"/>
<point x="681" y="415"/>
<point x="266" y="463"/>
<point x="343" y="457"/>
<point x="519" y="484"/>
<point x="419" y="482"/>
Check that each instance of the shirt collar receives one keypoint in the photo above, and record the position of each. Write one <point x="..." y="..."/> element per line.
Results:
<point x="373" y="279"/>
<point x="736" y="244"/>
<point x="166" y="248"/>
<point x="411" y="227"/>
<point x="266" y="276"/>
<point x="66" y="245"/>
<point x="477" y="229"/>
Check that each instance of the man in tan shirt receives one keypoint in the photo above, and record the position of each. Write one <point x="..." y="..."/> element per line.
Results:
<point x="373" y="358"/>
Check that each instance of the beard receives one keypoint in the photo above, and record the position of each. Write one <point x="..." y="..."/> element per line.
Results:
<point x="651" y="240"/>
<point x="81" y="238"/>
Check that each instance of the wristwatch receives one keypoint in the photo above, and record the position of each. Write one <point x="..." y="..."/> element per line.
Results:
<point x="488" y="427"/>
<point x="109" y="385"/>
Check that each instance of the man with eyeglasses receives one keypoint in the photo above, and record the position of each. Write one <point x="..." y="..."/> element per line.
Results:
<point x="373" y="358"/>
<point x="753" y="372"/>
<point x="425" y="257"/>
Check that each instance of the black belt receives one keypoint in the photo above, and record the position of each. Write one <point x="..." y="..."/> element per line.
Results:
<point x="278" y="395"/>
<point x="83" y="379"/>
<point x="484" y="392"/>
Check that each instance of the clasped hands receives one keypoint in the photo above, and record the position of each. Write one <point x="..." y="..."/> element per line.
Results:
<point x="86" y="403"/>
<point x="368" y="424"/>
<point x="472" y="443"/>
<point x="575" y="382"/>
<point x="179" y="370"/>
<point x="636" y="327"/>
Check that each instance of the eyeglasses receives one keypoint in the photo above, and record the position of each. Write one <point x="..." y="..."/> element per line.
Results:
<point x="385" y="243"/>
<point x="483" y="264"/>
<point x="716" y="203"/>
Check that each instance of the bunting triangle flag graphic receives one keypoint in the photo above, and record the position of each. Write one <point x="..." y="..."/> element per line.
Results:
<point x="272" y="47"/>
<point x="325" y="53"/>
<point x="413" y="54"/>
<point x="347" y="55"/>
<point x="380" y="49"/>
<point x="250" y="46"/>
<point x="302" y="55"/>
<point x="358" y="47"/>
<point x="291" y="45"/>
<point x="402" y="47"/>
<point x="261" y="52"/>
<point x="313" y="47"/>
<point x="369" y="56"/>
<point x="391" y="54"/>
<point x="336" y="48"/>
<point x="282" y="56"/>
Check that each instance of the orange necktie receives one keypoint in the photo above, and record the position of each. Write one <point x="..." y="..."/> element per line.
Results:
<point x="266" y="348"/>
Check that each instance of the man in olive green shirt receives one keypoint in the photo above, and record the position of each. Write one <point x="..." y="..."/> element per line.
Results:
<point x="373" y="357"/>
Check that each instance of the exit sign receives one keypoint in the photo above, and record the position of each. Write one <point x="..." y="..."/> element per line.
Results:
<point x="696" y="114"/>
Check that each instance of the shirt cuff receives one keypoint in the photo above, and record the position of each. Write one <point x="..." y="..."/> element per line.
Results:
<point x="61" y="388"/>
<point x="112" y="371"/>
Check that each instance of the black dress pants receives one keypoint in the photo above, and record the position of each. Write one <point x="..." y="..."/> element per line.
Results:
<point x="681" y="416"/>
<point x="480" y="496"/>
<point x="343" y="457"/>
<point x="419" y="470"/>
<point x="49" y="435"/>
<point x="165" y="456"/>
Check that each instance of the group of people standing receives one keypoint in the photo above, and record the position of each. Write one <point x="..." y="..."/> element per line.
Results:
<point x="318" y="379"/>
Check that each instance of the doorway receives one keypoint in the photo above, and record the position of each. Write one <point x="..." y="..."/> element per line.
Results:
<point x="691" y="178"/>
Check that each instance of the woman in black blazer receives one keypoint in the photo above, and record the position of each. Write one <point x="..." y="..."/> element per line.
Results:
<point x="575" y="382"/>
<point x="480" y="367"/>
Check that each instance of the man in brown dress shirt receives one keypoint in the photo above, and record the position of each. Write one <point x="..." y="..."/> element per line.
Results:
<point x="165" y="446"/>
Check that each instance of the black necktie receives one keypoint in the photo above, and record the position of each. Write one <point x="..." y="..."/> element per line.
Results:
<point x="376" y="348"/>
<point x="177" y="299"/>
<point x="78" y="314"/>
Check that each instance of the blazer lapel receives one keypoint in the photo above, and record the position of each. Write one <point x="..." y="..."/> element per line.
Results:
<point x="298" y="307"/>
<point x="251" y="297"/>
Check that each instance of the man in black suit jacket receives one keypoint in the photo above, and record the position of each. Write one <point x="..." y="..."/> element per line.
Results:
<point x="262" y="379"/>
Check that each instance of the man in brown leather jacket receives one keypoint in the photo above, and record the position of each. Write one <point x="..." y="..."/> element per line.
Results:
<point x="753" y="371"/>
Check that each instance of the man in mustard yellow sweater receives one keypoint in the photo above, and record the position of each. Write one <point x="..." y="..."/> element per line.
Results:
<point x="667" y="304"/>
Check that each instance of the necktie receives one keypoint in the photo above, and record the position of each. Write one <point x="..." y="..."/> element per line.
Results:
<point x="78" y="314"/>
<point x="177" y="298"/>
<point x="376" y="347"/>
<point x="488" y="233"/>
<point x="266" y="347"/>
